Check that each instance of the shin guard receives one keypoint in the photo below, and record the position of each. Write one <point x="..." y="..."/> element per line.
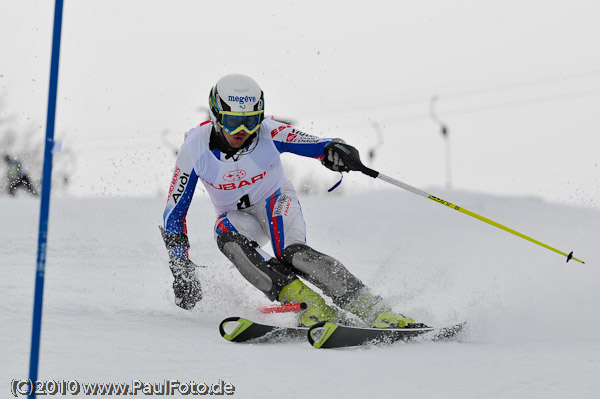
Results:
<point x="269" y="277"/>
<point x="325" y="272"/>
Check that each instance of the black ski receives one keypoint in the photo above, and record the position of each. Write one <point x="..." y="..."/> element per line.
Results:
<point x="237" y="329"/>
<point x="331" y="335"/>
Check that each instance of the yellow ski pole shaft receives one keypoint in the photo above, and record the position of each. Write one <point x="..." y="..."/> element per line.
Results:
<point x="414" y="190"/>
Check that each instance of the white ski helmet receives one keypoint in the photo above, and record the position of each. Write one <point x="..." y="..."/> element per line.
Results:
<point x="236" y="103"/>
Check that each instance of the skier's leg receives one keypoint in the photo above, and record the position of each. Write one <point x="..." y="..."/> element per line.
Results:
<point x="276" y="280"/>
<point x="284" y="222"/>
<point x="346" y="290"/>
<point x="273" y="278"/>
<point x="282" y="219"/>
<point x="325" y="272"/>
<point x="268" y="276"/>
<point x="237" y="234"/>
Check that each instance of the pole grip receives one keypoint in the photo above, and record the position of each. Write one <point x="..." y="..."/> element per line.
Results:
<point x="359" y="167"/>
<point x="370" y="172"/>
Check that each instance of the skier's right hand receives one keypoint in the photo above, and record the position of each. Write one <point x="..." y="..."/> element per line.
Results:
<point x="186" y="285"/>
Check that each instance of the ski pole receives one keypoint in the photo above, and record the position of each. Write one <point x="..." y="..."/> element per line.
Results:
<point x="373" y="173"/>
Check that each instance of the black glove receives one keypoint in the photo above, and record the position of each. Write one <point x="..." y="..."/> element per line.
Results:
<point x="186" y="285"/>
<point x="341" y="157"/>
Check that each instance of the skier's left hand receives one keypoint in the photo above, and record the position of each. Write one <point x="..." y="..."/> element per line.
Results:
<point x="186" y="285"/>
<point x="340" y="157"/>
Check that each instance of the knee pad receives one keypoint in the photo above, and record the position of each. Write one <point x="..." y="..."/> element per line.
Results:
<point x="269" y="277"/>
<point x="324" y="271"/>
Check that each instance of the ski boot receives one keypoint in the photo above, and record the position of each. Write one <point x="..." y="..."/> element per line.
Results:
<point x="376" y="313"/>
<point x="392" y="320"/>
<point x="316" y="311"/>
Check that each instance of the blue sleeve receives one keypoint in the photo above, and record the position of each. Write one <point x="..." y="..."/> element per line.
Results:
<point x="288" y="139"/>
<point x="181" y="191"/>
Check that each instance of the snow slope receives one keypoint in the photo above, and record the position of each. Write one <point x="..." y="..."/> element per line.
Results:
<point x="109" y="313"/>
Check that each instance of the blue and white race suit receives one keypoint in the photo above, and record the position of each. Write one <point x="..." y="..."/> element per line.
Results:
<point x="249" y="191"/>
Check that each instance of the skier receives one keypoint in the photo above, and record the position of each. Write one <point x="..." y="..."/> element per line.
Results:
<point x="236" y="156"/>
<point x="17" y="177"/>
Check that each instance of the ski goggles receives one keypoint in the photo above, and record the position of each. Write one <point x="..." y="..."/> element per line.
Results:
<point x="234" y="122"/>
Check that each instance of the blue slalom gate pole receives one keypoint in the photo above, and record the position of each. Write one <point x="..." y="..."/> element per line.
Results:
<point x="45" y="201"/>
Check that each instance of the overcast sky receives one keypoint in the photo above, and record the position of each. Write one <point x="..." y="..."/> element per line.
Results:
<point x="518" y="85"/>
